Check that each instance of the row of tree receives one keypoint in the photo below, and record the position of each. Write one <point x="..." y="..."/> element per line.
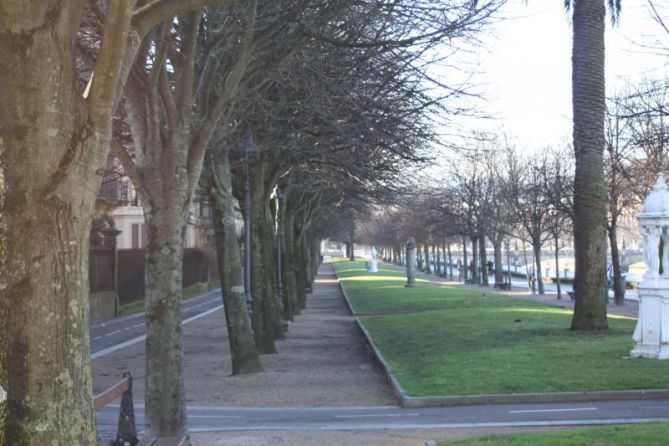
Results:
<point x="332" y="93"/>
<point x="497" y="194"/>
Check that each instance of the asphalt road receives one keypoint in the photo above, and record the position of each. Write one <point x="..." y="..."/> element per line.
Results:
<point x="119" y="333"/>
<point x="219" y="419"/>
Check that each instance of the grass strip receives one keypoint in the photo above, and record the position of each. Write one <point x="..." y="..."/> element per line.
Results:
<point x="447" y="340"/>
<point x="632" y="435"/>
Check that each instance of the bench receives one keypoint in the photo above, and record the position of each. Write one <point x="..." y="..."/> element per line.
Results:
<point x="503" y="286"/>
<point x="126" y="432"/>
<point x="571" y="294"/>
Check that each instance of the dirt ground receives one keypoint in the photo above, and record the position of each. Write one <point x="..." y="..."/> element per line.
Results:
<point x="322" y="362"/>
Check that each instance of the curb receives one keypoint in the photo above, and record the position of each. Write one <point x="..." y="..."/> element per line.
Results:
<point x="407" y="400"/>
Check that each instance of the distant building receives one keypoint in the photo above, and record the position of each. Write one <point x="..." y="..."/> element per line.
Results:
<point x="121" y="202"/>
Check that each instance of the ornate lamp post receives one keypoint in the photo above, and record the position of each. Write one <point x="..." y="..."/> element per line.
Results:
<point x="247" y="147"/>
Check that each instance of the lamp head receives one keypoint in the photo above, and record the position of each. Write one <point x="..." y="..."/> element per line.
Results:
<point x="247" y="146"/>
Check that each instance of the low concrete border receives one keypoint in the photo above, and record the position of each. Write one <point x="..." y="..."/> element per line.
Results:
<point x="407" y="400"/>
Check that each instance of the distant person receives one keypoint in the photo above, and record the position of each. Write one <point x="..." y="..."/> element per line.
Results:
<point x="609" y="275"/>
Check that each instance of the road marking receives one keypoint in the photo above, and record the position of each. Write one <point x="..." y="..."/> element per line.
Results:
<point x="379" y="415"/>
<point x="653" y="407"/>
<point x="113" y="332"/>
<point x="203" y="314"/>
<point x="576" y="409"/>
<point x="97" y="338"/>
<point x="378" y="426"/>
<point x="142" y="338"/>
<point x="214" y="416"/>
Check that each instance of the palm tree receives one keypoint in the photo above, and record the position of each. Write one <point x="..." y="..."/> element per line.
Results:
<point x="590" y="219"/>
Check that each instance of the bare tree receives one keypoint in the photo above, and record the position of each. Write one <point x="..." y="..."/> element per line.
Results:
<point x="55" y="138"/>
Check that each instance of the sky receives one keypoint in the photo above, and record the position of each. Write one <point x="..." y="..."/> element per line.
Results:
<point x="525" y="67"/>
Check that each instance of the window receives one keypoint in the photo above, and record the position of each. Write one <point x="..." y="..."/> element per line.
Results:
<point x="135" y="236"/>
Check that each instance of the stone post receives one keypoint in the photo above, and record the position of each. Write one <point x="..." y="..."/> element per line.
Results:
<point x="411" y="263"/>
<point x="651" y="335"/>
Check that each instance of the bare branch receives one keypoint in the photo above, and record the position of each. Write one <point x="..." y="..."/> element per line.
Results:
<point x="108" y="68"/>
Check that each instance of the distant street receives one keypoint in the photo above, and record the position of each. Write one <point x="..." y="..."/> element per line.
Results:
<point x="128" y="330"/>
<point x="218" y="419"/>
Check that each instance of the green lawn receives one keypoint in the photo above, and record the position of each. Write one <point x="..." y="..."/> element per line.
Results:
<point x="635" y="435"/>
<point x="447" y="340"/>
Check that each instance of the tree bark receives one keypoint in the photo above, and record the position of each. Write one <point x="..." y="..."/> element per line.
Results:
<point x="475" y="260"/>
<point x="589" y="96"/>
<point x="289" y="278"/>
<point x="261" y="290"/>
<point x="483" y="261"/>
<point x="497" y="249"/>
<point x="50" y="149"/>
<point x="618" y="283"/>
<point x="536" y="248"/>
<point x="243" y="351"/>
<point x="268" y="249"/>
<point x="529" y="277"/>
<point x="465" y="265"/>
<point x="163" y="294"/>
<point x="300" y="273"/>
<point x="557" y="268"/>
<point x="450" y="260"/>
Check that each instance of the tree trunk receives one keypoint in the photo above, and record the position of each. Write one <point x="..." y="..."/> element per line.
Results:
<point x="300" y="274"/>
<point x="268" y="249"/>
<point x="475" y="260"/>
<point x="465" y="265"/>
<point x="44" y="346"/>
<point x="450" y="260"/>
<point x="426" y="255"/>
<point x="529" y="277"/>
<point x="618" y="283"/>
<point x="557" y="268"/>
<point x="483" y="261"/>
<point x="49" y="152"/>
<point x="536" y="248"/>
<point x="165" y="394"/>
<point x="439" y="266"/>
<point x="263" y="307"/>
<point x="286" y="305"/>
<point x="497" y="249"/>
<point x="240" y="335"/>
<point x="289" y="261"/>
<point x="589" y="96"/>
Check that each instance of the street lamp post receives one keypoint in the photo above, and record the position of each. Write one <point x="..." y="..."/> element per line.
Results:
<point x="247" y="147"/>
